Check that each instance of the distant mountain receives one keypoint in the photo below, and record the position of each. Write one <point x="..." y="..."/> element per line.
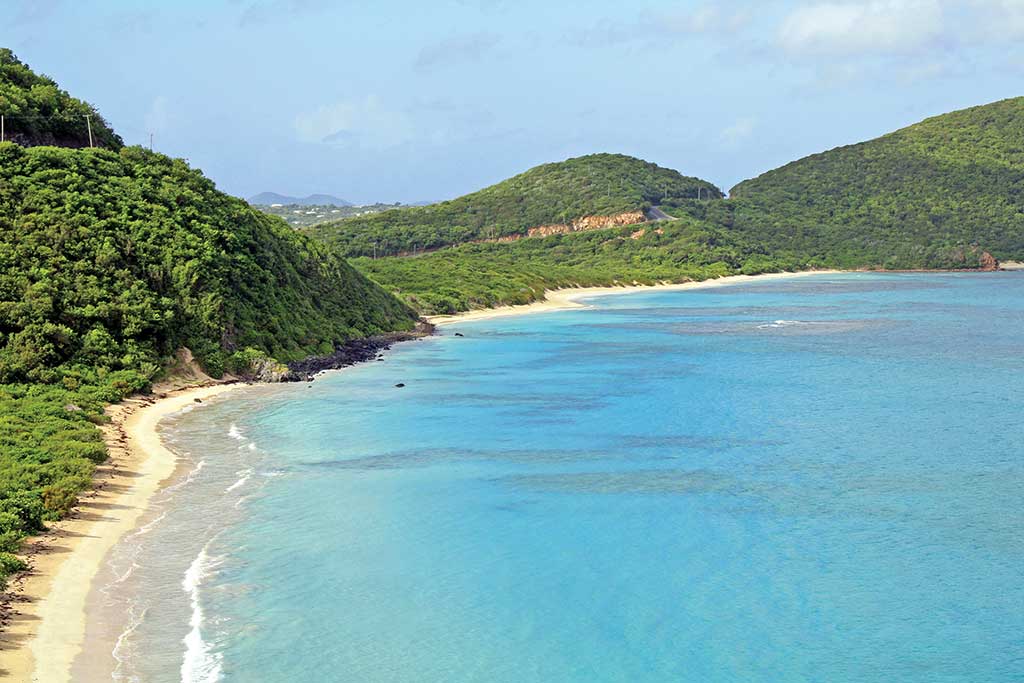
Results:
<point x="268" y="198"/>
<point x="599" y="190"/>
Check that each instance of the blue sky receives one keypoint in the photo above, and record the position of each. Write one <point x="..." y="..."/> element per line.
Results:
<point x="409" y="101"/>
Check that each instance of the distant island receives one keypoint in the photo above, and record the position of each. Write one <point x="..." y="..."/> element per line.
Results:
<point x="273" y="198"/>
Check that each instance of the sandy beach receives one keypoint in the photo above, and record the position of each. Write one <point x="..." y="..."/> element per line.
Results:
<point x="47" y="620"/>
<point x="48" y="617"/>
<point x="562" y="299"/>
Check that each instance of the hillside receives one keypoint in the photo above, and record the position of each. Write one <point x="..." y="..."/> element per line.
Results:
<point x="37" y="112"/>
<point x="937" y="194"/>
<point x="605" y="186"/>
<point x="482" y="275"/>
<point x="110" y="261"/>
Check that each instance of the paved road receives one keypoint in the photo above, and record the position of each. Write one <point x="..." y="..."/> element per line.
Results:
<point x="656" y="214"/>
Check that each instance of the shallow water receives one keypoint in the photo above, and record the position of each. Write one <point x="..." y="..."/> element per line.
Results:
<point x="815" y="479"/>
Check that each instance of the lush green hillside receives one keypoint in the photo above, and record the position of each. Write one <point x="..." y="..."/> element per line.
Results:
<point x="37" y="112"/>
<point x="109" y="262"/>
<point x="921" y="197"/>
<point x="596" y="185"/>
<point x="481" y="275"/>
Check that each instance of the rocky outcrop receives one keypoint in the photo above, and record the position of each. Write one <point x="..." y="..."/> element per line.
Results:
<point x="988" y="262"/>
<point x="349" y="353"/>
<point x="588" y="223"/>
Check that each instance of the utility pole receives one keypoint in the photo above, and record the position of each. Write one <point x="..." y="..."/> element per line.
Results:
<point x="88" y="123"/>
<point x="150" y="142"/>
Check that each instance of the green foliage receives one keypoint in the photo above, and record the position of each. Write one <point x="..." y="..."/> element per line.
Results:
<point x="480" y="275"/>
<point x="111" y="260"/>
<point x="595" y="185"/>
<point x="37" y="112"/>
<point x="933" y="195"/>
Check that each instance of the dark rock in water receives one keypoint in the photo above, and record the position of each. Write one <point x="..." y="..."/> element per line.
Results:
<point x="400" y="385"/>
<point x="459" y="334"/>
<point x="198" y="400"/>
<point x="349" y="353"/>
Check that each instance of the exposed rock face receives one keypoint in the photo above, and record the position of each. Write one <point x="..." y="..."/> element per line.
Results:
<point x="638" y="234"/>
<point x="588" y="223"/>
<point x="988" y="262"/>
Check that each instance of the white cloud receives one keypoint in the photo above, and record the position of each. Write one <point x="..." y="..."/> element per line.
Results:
<point x="707" y="19"/>
<point x="1003" y="19"/>
<point x="364" y="122"/>
<point x="738" y="132"/>
<point x="877" y="27"/>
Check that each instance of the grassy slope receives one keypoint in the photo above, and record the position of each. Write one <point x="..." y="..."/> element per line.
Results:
<point x="919" y="197"/>
<point x="600" y="184"/>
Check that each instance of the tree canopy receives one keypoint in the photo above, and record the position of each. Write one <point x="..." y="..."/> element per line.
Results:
<point x="595" y="185"/>
<point x="37" y="112"/>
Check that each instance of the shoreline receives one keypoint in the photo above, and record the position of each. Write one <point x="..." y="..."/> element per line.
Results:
<point x="46" y="626"/>
<point x="568" y="297"/>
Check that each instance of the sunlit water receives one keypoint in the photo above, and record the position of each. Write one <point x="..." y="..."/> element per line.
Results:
<point x="815" y="479"/>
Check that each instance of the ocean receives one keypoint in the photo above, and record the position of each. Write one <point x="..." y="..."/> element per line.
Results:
<point x="815" y="479"/>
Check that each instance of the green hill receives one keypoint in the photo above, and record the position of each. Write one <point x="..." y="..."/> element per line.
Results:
<point x="470" y="276"/>
<point x="558" y="193"/>
<point x="110" y="261"/>
<point x="934" y="195"/>
<point x="37" y="112"/>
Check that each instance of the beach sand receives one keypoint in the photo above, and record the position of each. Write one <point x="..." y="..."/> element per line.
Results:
<point x="562" y="299"/>
<point x="46" y="624"/>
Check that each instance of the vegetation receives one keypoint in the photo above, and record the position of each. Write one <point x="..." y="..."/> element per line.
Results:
<point x="112" y="259"/>
<point x="109" y="262"/>
<point x="600" y="184"/>
<point x="305" y="215"/>
<point x="37" y="112"/>
<point x="489" y="274"/>
<point x="933" y="195"/>
<point x="938" y="194"/>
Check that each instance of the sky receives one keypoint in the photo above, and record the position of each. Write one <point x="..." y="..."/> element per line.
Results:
<point x="427" y="100"/>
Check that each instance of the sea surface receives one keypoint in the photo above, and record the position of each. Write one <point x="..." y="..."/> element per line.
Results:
<point x="816" y="479"/>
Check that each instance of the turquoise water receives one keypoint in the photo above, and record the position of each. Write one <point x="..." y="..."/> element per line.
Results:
<point x="815" y="479"/>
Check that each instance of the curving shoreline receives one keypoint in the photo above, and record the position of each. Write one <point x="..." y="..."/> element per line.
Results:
<point x="50" y="600"/>
<point x="47" y="627"/>
<point x="567" y="298"/>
